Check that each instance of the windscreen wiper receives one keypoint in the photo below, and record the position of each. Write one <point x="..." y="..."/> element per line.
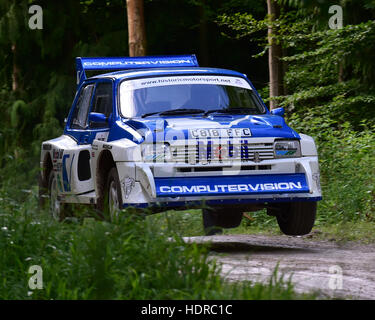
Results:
<point x="174" y="111"/>
<point x="149" y="114"/>
<point x="231" y="110"/>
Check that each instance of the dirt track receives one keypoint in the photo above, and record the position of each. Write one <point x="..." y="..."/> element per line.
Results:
<point x="312" y="265"/>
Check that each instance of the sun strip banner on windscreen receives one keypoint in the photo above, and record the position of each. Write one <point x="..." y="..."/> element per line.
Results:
<point x="180" y="79"/>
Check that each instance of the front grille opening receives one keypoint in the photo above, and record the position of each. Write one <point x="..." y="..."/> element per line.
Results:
<point x="221" y="153"/>
<point x="264" y="167"/>
<point x="220" y="169"/>
<point x="203" y="169"/>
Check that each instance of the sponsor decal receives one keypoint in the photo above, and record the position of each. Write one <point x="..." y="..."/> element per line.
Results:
<point x="225" y="151"/>
<point x="59" y="182"/>
<point x="126" y="63"/>
<point x="229" y="188"/>
<point x="47" y="147"/>
<point x="256" y="157"/>
<point x="57" y="166"/>
<point x="101" y="136"/>
<point x="316" y="178"/>
<point x="285" y="152"/>
<point x="207" y="151"/>
<point x="232" y="185"/>
<point x="57" y="154"/>
<point x="128" y="184"/>
<point x="65" y="173"/>
<point x="220" y="133"/>
<point x="107" y="146"/>
<point x="66" y="179"/>
<point x="155" y="157"/>
<point x="178" y="80"/>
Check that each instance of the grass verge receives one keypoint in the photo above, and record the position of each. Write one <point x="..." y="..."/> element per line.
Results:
<point x="131" y="258"/>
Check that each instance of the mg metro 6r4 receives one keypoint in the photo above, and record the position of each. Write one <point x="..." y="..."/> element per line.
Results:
<point x="162" y="133"/>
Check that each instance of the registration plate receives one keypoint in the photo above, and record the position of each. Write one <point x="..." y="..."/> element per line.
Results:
<point x="220" y="133"/>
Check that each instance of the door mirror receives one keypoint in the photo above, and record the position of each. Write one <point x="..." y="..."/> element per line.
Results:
<point x="278" y="112"/>
<point x="98" y="120"/>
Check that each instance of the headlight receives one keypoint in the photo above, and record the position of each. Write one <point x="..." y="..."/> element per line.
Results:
<point x="156" y="152"/>
<point x="287" y="148"/>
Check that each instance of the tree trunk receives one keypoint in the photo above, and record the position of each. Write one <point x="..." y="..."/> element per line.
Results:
<point x="16" y="71"/>
<point x="203" y="39"/>
<point x="275" y="65"/>
<point x="341" y="72"/>
<point x="136" y="28"/>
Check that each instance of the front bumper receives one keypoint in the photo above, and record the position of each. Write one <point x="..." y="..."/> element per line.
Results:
<point x="173" y="185"/>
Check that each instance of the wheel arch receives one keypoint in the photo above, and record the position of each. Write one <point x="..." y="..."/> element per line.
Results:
<point x="46" y="169"/>
<point x="104" y="164"/>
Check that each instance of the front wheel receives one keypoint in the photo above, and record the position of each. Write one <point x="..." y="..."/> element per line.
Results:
<point x="295" y="218"/>
<point x="216" y="219"/>
<point x="113" y="189"/>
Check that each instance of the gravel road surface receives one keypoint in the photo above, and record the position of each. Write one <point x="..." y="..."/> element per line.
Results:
<point x="334" y="270"/>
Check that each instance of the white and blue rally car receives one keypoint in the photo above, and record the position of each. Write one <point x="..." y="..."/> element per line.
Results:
<point x="162" y="133"/>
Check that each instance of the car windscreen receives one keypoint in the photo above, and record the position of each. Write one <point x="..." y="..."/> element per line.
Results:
<point x="148" y="96"/>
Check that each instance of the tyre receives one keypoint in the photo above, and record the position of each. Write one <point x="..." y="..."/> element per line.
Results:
<point x="214" y="220"/>
<point x="42" y="192"/>
<point x="56" y="208"/>
<point x="113" y="195"/>
<point x="295" y="218"/>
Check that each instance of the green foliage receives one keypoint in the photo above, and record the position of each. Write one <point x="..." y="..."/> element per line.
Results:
<point x="128" y="259"/>
<point x="338" y="114"/>
<point x="346" y="163"/>
<point x="327" y="69"/>
<point x="332" y="73"/>
<point x="330" y="76"/>
<point x="348" y="176"/>
<point x="17" y="112"/>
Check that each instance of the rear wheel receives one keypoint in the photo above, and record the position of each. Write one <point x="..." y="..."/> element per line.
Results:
<point x="56" y="208"/>
<point x="294" y="218"/>
<point x="214" y="220"/>
<point x="43" y="191"/>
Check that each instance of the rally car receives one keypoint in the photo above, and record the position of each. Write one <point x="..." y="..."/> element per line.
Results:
<point x="163" y="133"/>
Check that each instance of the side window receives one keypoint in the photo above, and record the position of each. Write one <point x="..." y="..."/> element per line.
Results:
<point x="79" y="119"/>
<point x="103" y="99"/>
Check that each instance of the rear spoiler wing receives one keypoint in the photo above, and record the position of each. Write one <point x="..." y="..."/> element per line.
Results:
<point x="126" y="63"/>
